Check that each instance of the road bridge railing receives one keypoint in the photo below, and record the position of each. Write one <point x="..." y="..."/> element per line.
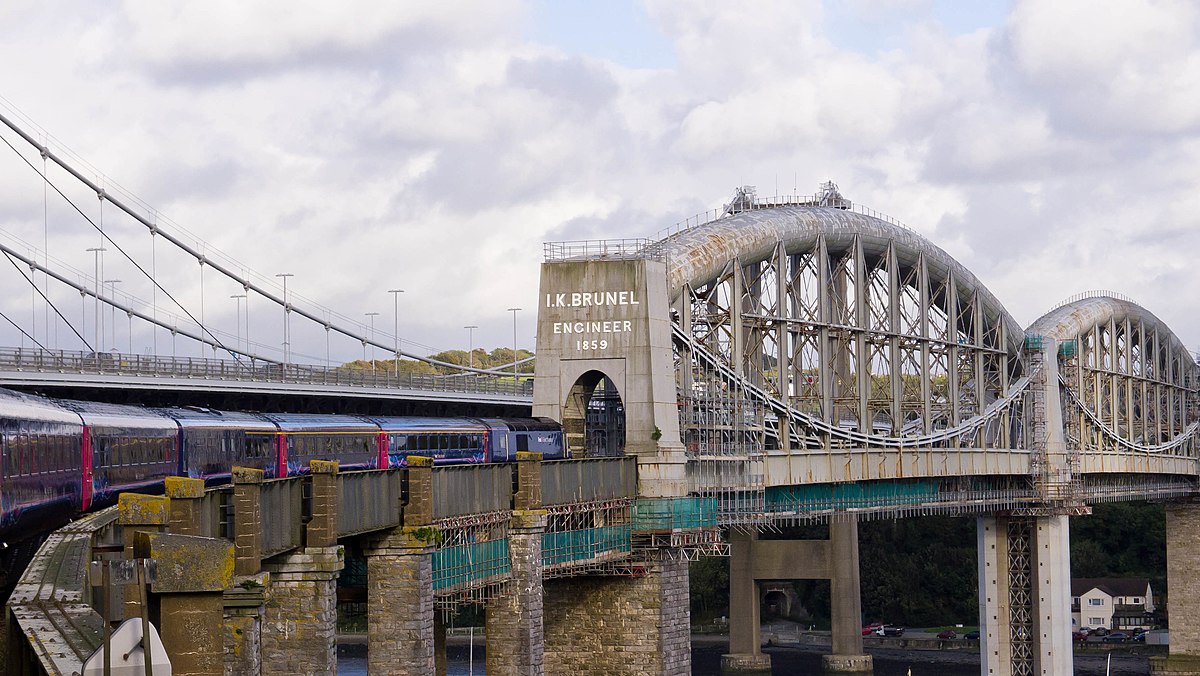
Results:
<point x="111" y="364"/>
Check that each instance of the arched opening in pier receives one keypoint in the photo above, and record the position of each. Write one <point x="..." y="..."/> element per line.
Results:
<point x="594" y="417"/>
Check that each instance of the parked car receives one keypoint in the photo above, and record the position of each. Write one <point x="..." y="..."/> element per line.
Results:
<point x="1079" y="636"/>
<point x="947" y="634"/>
<point x="870" y="628"/>
<point x="1140" y="636"/>
<point x="889" y="630"/>
<point x="1116" y="637"/>
<point x="1098" y="631"/>
<point x="971" y="636"/>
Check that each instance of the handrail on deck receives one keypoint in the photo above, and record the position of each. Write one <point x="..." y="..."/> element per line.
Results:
<point x="247" y="370"/>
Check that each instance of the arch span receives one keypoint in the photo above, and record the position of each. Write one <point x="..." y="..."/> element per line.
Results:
<point x="846" y="318"/>
<point x="1127" y="385"/>
<point x="699" y="254"/>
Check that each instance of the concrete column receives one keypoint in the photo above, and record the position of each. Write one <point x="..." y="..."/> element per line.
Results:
<point x="514" y="617"/>
<point x="301" y="613"/>
<point x="192" y="574"/>
<point x="1052" y="603"/>
<point x="994" y="652"/>
<point x="846" y="601"/>
<point x="321" y="530"/>
<point x="247" y="524"/>
<point x="597" y="626"/>
<point x="184" y="507"/>
<point x="745" y="641"/>
<point x="1183" y="578"/>
<point x="138" y="515"/>
<point x="1017" y="580"/>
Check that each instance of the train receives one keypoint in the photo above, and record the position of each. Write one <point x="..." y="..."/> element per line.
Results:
<point x="61" y="457"/>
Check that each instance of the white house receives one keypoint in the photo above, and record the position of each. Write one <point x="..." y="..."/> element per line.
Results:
<point x="1116" y="603"/>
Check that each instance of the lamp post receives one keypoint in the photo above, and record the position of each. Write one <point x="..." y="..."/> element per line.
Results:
<point x="238" y="297"/>
<point x="286" y="337"/>
<point x="112" y="294"/>
<point x="471" y="345"/>
<point x="514" y="310"/>
<point x="372" y="315"/>
<point x="396" y="327"/>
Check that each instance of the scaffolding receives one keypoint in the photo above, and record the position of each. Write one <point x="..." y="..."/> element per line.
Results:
<point x="584" y="538"/>
<point x="680" y="528"/>
<point x="724" y="434"/>
<point x="471" y="562"/>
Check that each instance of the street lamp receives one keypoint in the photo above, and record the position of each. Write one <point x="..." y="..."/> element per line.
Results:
<point x="112" y="295"/>
<point x="372" y="315"/>
<point x="471" y="345"/>
<point x="286" y="337"/>
<point x="96" y="251"/>
<point x="396" y="326"/>
<point x="514" y="310"/>
<point x="238" y="297"/>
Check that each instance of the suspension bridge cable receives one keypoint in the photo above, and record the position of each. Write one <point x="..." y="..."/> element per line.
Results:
<point x="17" y="327"/>
<point x="128" y="310"/>
<point x="216" y="342"/>
<point x="244" y="281"/>
<point x="35" y="342"/>
<point x="48" y="302"/>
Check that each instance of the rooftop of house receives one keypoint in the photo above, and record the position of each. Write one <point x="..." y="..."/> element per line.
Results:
<point x="1113" y="586"/>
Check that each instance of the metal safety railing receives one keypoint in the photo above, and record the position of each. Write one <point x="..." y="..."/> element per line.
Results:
<point x="282" y="525"/>
<point x="472" y="489"/>
<point x="200" y="368"/>
<point x="772" y="203"/>
<point x="588" y="480"/>
<point x="368" y="501"/>
<point x="597" y="249"/>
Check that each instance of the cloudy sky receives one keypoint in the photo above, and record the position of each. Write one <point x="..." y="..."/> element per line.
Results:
<point x="433" y="147"/>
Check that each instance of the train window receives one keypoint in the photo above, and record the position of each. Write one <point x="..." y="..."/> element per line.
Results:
<point x="522" y="443"/>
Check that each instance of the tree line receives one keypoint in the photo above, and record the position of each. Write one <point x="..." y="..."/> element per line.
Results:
<point x="479" y="358"/>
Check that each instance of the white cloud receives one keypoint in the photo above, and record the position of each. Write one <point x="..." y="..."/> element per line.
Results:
<point x="370" y="146"/>
<point x="1130" y="69"/>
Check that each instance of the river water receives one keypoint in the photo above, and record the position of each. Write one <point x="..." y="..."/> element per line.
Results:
<point x="788" y="661"/>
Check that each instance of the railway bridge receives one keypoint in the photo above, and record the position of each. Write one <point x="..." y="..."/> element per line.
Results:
<point x="780" y="361"/>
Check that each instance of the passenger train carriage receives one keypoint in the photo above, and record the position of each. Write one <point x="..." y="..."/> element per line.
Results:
<point x="41" y="459"/>
<point x="60" y="457"/>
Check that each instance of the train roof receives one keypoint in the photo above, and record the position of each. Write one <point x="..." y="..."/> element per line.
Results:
<point x="192" y="417"/>
<point x="289" y="422"/>
<point x="31" y="407"/>
<point x="417" y="424"/>
<point x="525" y="424"/>
<point x="100" y="414"/>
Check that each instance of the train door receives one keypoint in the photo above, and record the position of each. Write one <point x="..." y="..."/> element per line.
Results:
<point x="86" y="462"/>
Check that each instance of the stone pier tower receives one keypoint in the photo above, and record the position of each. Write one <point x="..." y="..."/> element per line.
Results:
<point x="603" y="315"/>
<point x="611" y="318"/>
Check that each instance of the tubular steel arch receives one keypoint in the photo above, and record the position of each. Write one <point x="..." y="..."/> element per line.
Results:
<point x="850" y="320"/>
<point x="806" y="328"/>
<point x="1128" y="383"/>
